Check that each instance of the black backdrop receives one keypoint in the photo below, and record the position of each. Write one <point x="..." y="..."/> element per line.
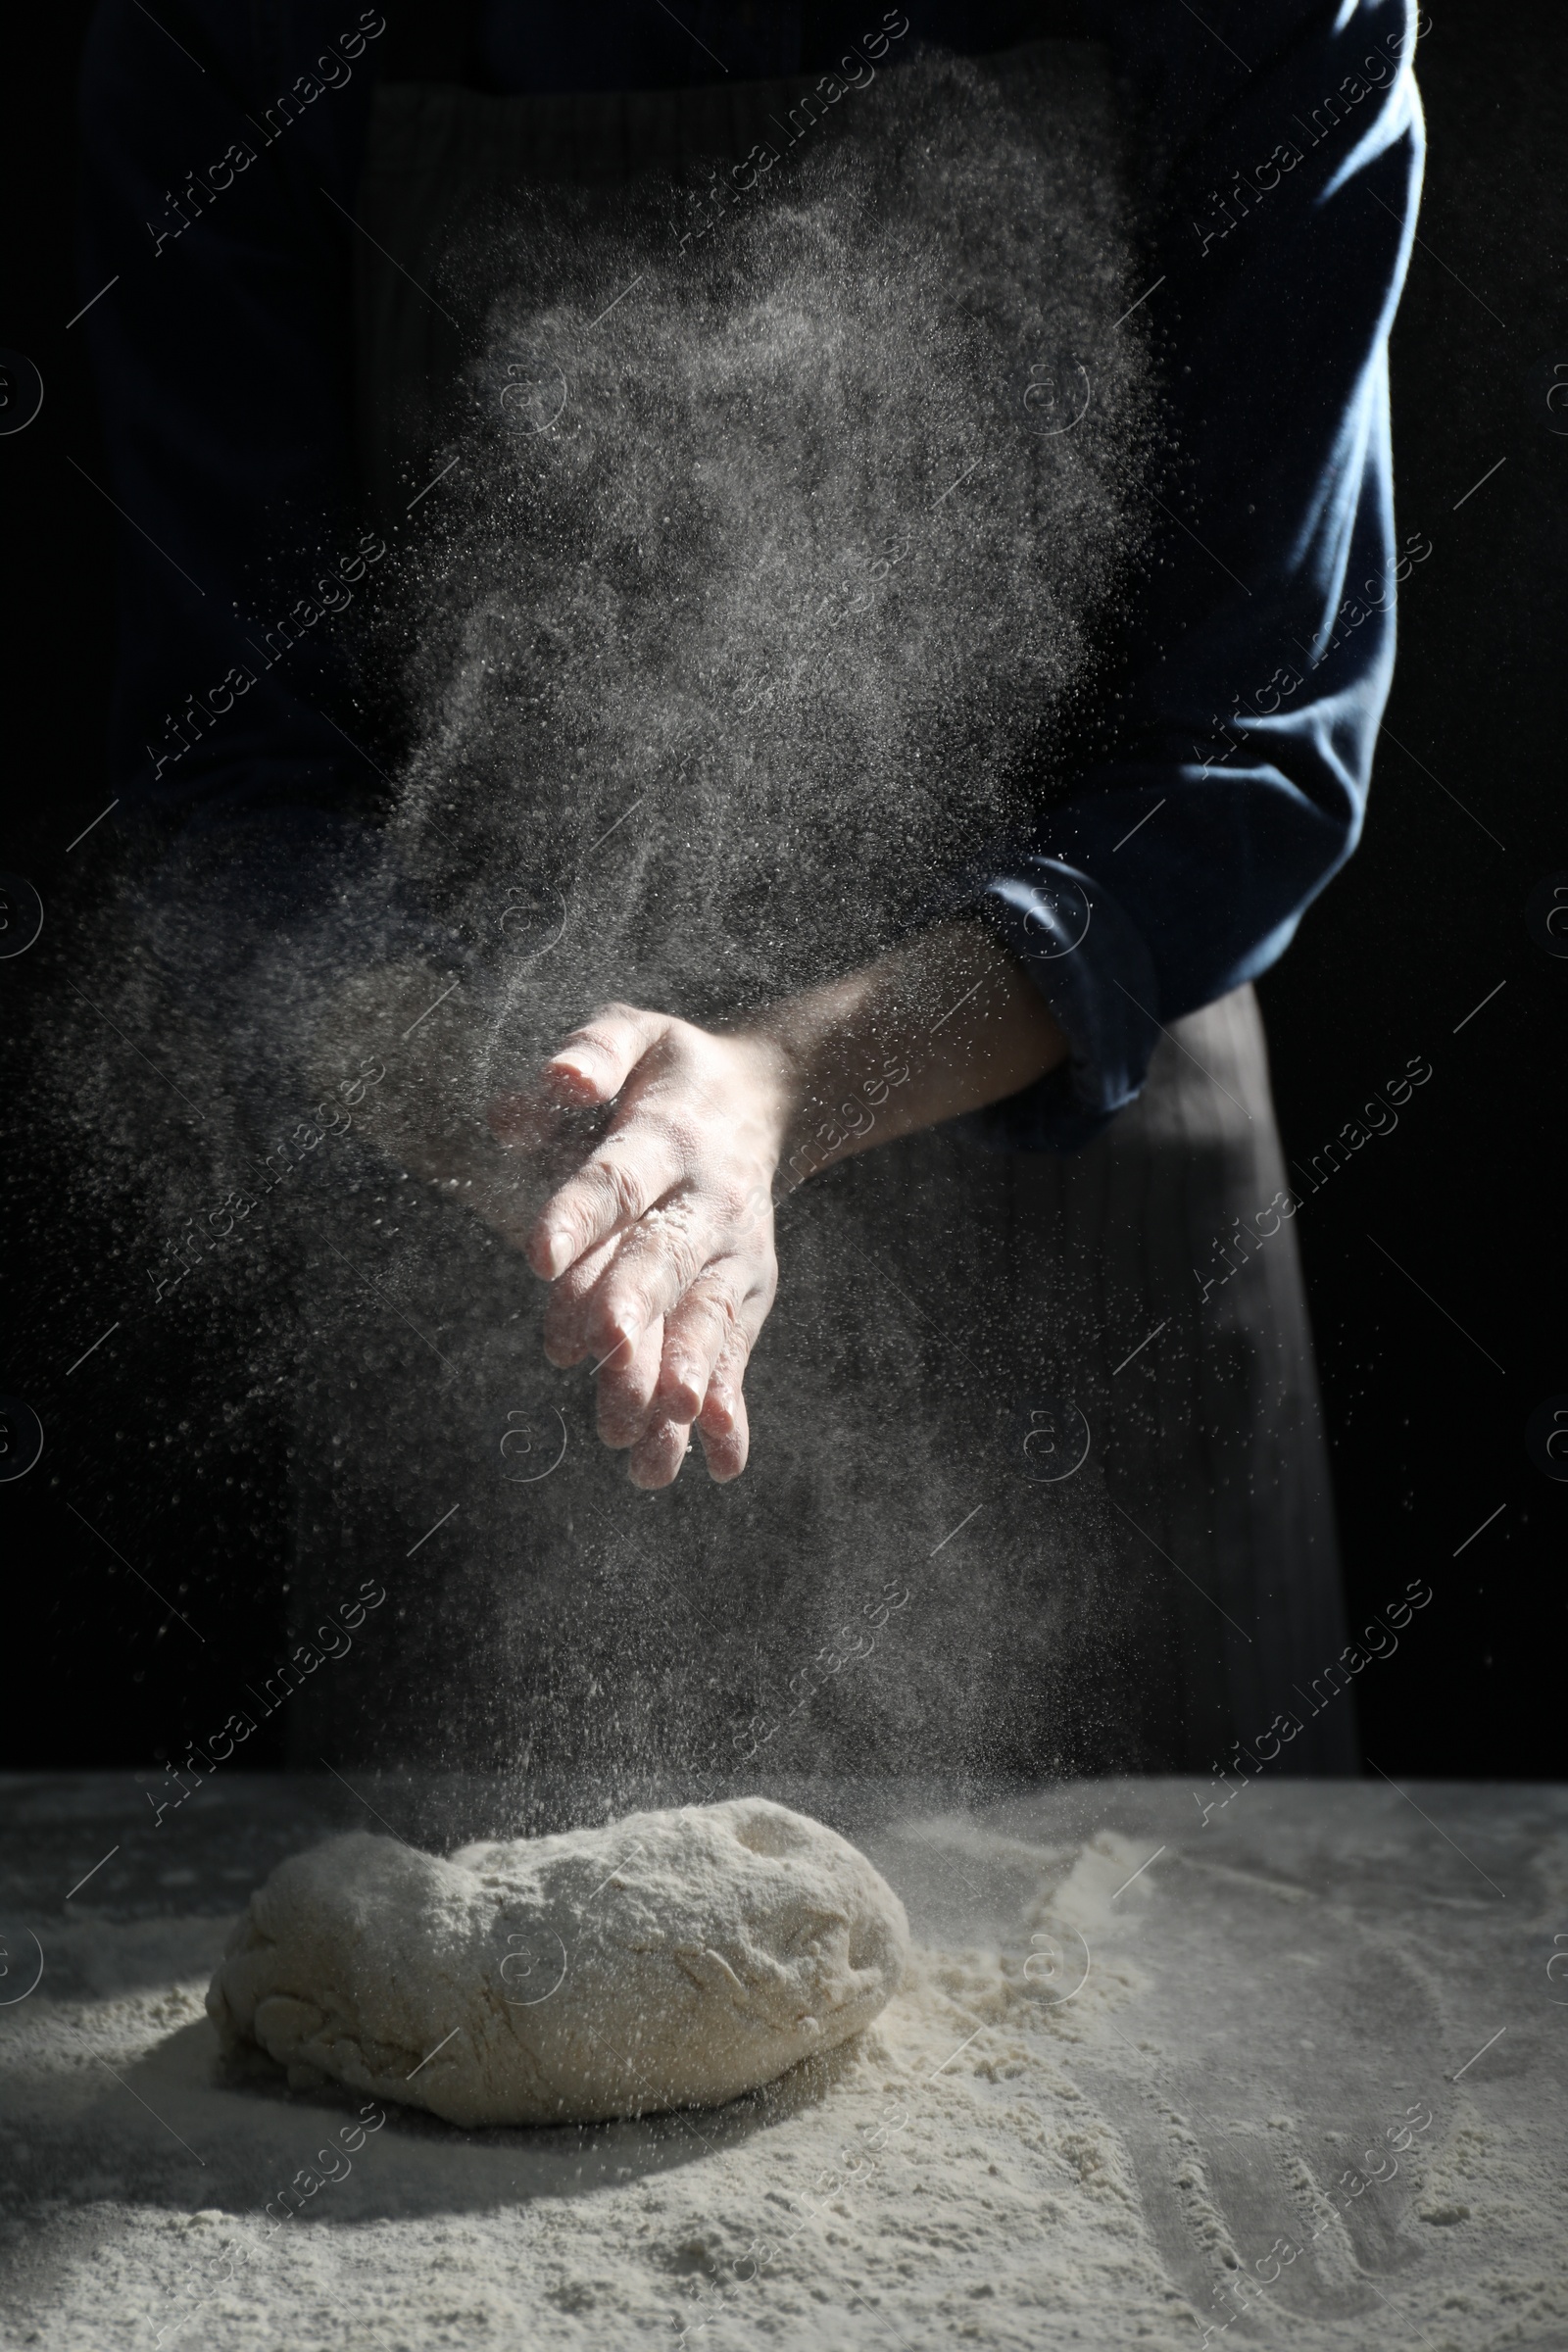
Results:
<point x="1433" y="1257"/>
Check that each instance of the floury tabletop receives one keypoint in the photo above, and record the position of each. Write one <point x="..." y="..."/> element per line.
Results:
<point x="1144" y="2076"/>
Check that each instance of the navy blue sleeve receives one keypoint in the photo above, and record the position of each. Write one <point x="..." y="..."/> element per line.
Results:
<point x="1287" y="173"/>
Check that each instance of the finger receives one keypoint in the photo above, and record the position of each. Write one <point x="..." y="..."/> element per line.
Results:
<point x="722" y="1425"/>
<point x="718" y="1317"/>
<point x="658" y="1261"/>
<point x="626" y="1383"/>
<point x="657" y="1457"/>
<point x="595" y="1062"/>
<point x="615" y="1289"/>
<point x="633" y="1167"/>
<point x="565" y="1324"/>
<point x="672" y="1249"/>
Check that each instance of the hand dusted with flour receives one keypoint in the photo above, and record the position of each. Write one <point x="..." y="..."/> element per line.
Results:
<point x="669" y="1960"/>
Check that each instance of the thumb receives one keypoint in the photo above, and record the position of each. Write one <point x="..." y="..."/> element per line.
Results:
<point x="594" y="1063"/>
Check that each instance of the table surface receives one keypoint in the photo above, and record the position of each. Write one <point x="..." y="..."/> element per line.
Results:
<point x="1291" y="2073"/>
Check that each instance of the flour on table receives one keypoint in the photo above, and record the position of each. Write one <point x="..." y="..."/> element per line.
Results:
<point x="670" y="1960"/>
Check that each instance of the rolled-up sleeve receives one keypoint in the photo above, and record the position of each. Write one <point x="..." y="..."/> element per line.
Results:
<point x="1286" y="174"/>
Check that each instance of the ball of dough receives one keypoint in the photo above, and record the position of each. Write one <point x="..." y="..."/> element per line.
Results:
<point x="669" y="1960"/>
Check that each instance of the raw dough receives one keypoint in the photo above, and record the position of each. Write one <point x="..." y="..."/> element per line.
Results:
<point x="670" y="1960"/>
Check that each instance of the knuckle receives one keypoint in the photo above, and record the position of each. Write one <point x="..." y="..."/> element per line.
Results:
<point x="626" y="1300"/>
<point x="736" y="1206"/>
<point x="620" y="1187"/>
<point x="720" y="1305"/>
<point x="687" y="1258"/>
<point x="601" y="1030"/>
<point x="674" y="1240"/>
<point x="684" y="1136"/>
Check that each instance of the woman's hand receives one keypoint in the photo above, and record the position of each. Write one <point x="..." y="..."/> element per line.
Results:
<point x="660" y="1246"/>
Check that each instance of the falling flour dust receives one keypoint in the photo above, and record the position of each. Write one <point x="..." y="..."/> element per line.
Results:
<point x="753" y="610"/>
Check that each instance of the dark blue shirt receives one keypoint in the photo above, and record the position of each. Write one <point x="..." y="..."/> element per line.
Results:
<point x="1280" y="145"/>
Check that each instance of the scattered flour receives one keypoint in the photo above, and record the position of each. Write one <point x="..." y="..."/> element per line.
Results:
<point x="1089" y="2100"/>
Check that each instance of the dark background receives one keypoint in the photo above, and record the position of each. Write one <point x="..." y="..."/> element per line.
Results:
<point x="1431" y="1366"/>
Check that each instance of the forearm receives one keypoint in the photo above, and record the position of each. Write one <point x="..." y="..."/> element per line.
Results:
<point x="947" y="1023"/>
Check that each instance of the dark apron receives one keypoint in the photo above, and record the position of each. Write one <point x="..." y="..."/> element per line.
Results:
<point x="1151" y="1574"/>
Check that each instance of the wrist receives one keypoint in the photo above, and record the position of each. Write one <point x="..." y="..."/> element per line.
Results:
<point x="831" y="1090"/>
<point x="790" y="1053"/>
<point x="775" y="1079"/>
